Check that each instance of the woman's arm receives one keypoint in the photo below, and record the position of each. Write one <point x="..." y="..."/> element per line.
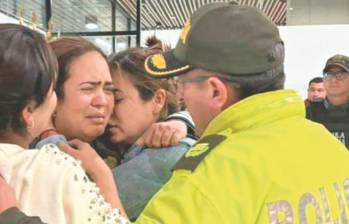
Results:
<point x="97" y="170"/>
<point x="163" y="134"/>
<point x="169" y="132"/>
<point x="15" y="216"/>
<point x="7" y="196"/>
<point x="8" y="211"/>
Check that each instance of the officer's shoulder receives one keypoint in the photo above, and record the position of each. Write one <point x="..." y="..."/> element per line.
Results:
<point x="198" y="152"/>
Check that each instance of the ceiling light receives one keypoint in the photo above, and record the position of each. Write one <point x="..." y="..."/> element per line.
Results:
<point x="91" y="26"/>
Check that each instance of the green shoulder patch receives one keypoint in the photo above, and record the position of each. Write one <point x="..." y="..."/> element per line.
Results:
<point x="198" y="152"/>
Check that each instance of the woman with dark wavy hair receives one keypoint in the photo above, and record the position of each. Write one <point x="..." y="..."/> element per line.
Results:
<point x="47" y="182"/>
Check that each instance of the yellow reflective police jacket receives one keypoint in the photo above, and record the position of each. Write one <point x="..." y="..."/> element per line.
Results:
<point x="259" y="161"/>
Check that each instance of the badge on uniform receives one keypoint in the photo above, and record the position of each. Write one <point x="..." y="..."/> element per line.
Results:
<point x="198" y="152"/>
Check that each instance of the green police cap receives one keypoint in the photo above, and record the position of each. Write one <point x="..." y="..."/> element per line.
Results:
<point x="339" y="60"/>
<point x="221" y="37"/>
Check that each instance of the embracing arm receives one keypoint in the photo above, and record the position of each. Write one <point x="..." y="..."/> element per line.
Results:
<point x="15" y="216"/>
<point x="8" y="211"/>
<point x="97" y="170"/>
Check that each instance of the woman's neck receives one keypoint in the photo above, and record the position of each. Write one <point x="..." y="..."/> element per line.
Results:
<point x="16" y="139"/>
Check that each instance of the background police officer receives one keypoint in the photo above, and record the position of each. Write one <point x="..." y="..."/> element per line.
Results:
<point x="316" y="90"/>
<point x="333" y="112"/>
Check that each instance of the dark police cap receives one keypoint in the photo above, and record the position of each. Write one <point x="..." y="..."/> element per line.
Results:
<point x="338" y="60"/>
<point x="221" y="37"/>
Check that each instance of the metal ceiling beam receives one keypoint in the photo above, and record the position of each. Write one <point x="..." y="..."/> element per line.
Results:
<point x="176" y="12"/>
<point x="98" y="33"/>
<point x="113" y="25"/>
<point x="139" y="22"/>
<point x="48" y="10"/>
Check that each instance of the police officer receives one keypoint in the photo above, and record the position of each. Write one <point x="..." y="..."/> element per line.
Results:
<point x="258" y="159"/>
<point x="333" y="112"/>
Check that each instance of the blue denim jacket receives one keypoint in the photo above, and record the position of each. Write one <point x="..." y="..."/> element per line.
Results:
<point x="143" y="172"/>
<point x="53" y="139"/>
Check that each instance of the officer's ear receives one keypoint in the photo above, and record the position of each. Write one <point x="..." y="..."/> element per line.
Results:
<point x="221" y="94"/>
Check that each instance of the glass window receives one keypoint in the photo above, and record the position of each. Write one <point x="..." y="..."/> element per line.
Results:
<point x="81" y="15"/>
<point x="124" y="42"/>
<point x="29" y="12"/>
<point x="103" y="42"/>
<point x="106" y="42"/>
<point x="125" y="16"/>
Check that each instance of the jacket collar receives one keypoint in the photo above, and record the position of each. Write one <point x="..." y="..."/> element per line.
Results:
<point x="257" y="110"/>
